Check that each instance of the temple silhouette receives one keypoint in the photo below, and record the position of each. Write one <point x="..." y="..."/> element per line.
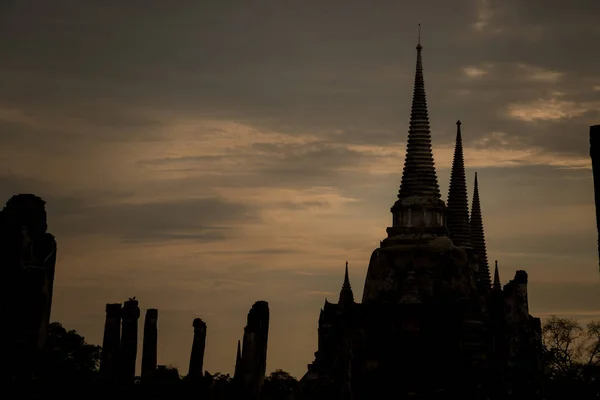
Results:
<point x="432" y="323"/>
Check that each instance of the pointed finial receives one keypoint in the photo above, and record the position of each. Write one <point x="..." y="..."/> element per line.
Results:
<point x="346" y="278"/>
<point x="458" y="123"/>
<point x="497" y="285"/>
<point x="419" y="47"/>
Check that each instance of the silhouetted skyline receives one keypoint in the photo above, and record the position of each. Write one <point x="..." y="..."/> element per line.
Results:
<point x="201" y="157"/>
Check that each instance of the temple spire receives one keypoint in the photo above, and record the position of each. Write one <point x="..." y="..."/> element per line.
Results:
<point x="419" y="177"/>
<point x="457" y="215"/>
<point x="346" y="294"/>
<point x="478" y="238"/>
<point x="497" y="284"/>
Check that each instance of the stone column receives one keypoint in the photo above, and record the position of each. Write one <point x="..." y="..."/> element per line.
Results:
<point x="130" y="315"/>
<point x="198" y="346"/>
<point x="110" y="344"/>
<point x="149" y="350"/>
<point x="254" y="349"/>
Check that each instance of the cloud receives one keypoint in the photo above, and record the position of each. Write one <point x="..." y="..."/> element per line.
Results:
<point x="474" y="72"/>
<point x="202" y="220"/>
<point x="540" y="74"/>
<point x="551" y="109"/>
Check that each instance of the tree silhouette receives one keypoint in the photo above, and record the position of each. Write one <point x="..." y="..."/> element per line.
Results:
<point x="571" y="357"/>
<point x="66" y="357"/>
<point x="279" y="385"/>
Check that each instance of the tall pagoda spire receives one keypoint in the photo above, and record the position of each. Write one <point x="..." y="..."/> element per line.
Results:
<point x="418" y="214"/>
<point x="346" y="294"/>
<point x="478" y="238"/>
<point x="457" y="214"/>
<point x="419" y="177"/>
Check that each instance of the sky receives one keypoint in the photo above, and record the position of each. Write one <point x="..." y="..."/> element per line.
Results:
<point x="203" y="155"/>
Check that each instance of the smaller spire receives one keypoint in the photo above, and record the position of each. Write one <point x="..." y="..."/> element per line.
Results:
<point x="346" y="295"/>
<point x="457" y="215"/>
<point x="478" y="238"/>
<point x="346" y="284"/>
<point x="419" y="47"/>
<point x="497" y="285"/>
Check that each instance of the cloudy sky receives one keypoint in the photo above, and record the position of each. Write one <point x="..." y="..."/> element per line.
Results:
<point x="202" y="155"/>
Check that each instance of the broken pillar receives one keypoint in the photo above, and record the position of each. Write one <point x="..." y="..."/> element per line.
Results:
<point x="198" y="347"/>
<point x="254" y="350"/>
<point x="109" y="363"/>
<point x="149" y="349"/>
<point x="128" y="355"/>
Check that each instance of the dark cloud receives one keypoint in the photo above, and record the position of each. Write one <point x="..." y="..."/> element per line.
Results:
<point x="340" y="65"/>
<point x="206" y="219"/>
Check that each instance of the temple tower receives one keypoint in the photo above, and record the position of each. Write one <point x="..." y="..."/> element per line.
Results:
<point x="129" y="338"/>
<point x="109" y="363"/>
<point x="198" y="347"/>
<point x="419" y="215"/>
<point x="457" y="214"/>
<point x="595" y="155"/>
<point x="149" y="349"/>
<point x="478" y="240"/>
<point x="419" y="208"/>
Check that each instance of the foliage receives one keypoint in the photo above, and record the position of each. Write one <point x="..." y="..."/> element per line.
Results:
<point x="571" y="357"/>
<point x="279" y="385"/>
<point x="67" y="357"/>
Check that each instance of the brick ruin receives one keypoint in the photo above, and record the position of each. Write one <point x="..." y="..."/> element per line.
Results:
<point x="430" y="324"/>
<point x="28" y="259"/>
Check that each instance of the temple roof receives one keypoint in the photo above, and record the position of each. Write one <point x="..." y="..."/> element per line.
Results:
<point x="457" y="214"/>
<point x="478" y="238"/>
<point x="419" y="177"/>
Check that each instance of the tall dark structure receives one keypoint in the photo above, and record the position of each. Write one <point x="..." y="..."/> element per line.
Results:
<point x="129" y="337"/>
<point x="457" y="219"/>
<point x="28" y="258"/>
<point x="427" y="327"/>
<point x="149" y="348"/>
<point x="595" y="155"/>
<point x="478" y="239"/>
<point x="111" y="343"/>
<point x="254" y="351"/>
<point x="198" y="347"/>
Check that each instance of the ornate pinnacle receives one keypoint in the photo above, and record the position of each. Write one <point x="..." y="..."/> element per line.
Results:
<point x="457" y="215"/>
<point x="478" y="238"/>
<point x="346" y="294"/>
<point x="419" y="177"/>
<point x="497" y="284"/>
